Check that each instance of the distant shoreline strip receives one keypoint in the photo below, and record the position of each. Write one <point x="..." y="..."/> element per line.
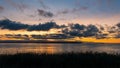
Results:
<point x="36" y="41"/>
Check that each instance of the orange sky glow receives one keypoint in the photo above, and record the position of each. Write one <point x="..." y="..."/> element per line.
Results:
<point x="57" y="31"/>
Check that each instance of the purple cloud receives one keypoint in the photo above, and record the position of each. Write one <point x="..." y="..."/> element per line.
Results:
<point x="1" y="8"/>
<point x="44" y="13"/>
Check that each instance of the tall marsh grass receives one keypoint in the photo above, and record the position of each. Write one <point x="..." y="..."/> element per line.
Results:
<point x="69" y="60"/>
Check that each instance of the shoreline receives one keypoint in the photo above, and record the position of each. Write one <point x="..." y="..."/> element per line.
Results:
<point x="46" y="41"/>
<point x="37" y="41"/>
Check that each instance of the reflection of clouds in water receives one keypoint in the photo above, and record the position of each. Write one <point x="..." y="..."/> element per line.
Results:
<point x="107" y="49"/>
<point x="12" y="48"/>
<point x="76" y="48"/>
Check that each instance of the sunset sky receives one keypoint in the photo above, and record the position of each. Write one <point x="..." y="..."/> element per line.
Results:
<point x="92" y="20"/>
<point x="61" y="11"/>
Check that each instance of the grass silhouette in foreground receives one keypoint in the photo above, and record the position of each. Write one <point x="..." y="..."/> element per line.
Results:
<point x="69" y="60"/>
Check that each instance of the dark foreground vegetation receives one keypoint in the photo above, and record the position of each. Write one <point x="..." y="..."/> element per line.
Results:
<point x="70" y="60"/>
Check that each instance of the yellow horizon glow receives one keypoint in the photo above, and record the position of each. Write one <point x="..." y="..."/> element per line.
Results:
<point x="105" y="40"/>
<point x="55" y="31"/>
<point x="83" y="39"/>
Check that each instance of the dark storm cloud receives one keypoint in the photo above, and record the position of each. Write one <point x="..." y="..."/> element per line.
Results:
<point x="81" y="30"/>
<point x="43" y="5"/>
<point x="76" y="30"/>
<point x="118" y="25"/>
<point x="43" y="27"/>
<point x="1" y="8"/>
<point x="44" y="13"/>
<point x="116" y="29"/>
<point x="72" y="30"/>
<point x="91" y="30"/>
<point x="19" y="6"/>
<point x="77" y="26"/>
<point x="12" y="25"/>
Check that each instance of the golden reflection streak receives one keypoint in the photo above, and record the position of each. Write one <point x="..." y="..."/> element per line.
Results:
<point x="47" y="50"/>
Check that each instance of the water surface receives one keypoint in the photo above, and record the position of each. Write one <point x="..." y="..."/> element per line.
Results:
<point x="53" y="48"/>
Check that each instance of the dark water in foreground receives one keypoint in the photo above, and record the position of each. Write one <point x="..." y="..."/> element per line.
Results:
<point x="52" y="48"/>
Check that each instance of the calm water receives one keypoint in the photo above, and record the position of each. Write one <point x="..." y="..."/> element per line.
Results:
<point x="49" y="48"/>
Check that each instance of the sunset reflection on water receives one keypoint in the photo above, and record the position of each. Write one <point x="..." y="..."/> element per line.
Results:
<point x="49" y="48"/>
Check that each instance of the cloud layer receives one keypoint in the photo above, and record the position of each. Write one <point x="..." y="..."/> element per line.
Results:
<point x="72" y="30"/>
<point x="12" y="25"/>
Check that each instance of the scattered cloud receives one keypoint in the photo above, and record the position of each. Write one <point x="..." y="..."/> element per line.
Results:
<point x="44" y="13"/>
<point x="1" y="8"/>
<point x="17" y="36"/>
<point x="65" y="11"/>
<point x="73" y="10"/>
<point x="31" y="15"/>
<point x="43" y="5"/>
<point x="118" y="25"/>
<point x="82" y="8"/>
